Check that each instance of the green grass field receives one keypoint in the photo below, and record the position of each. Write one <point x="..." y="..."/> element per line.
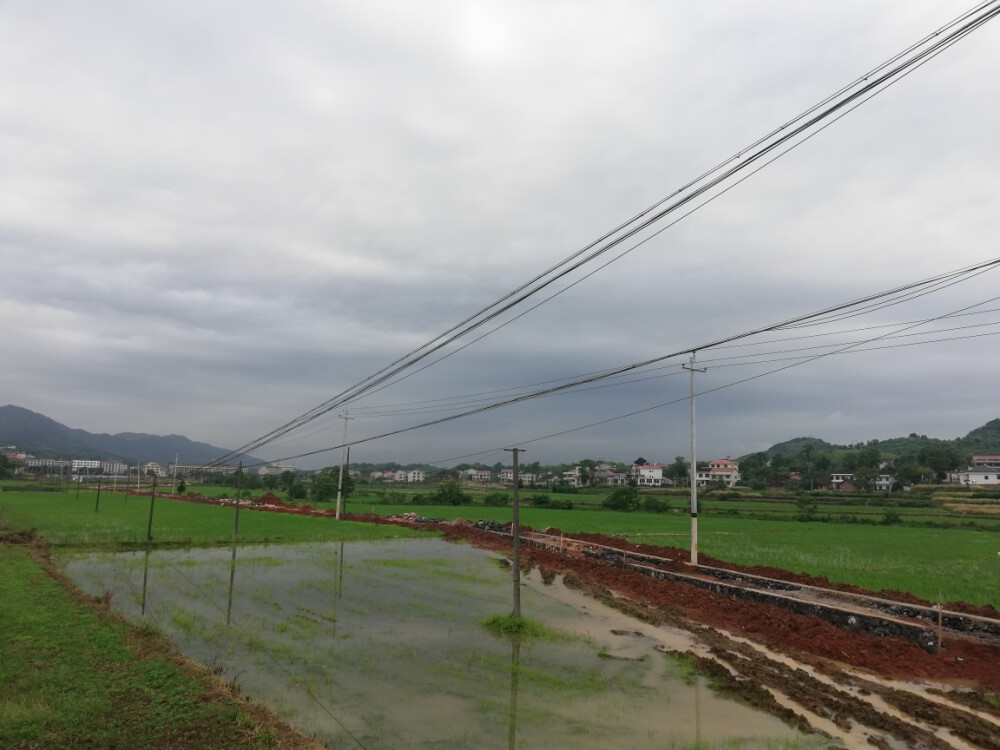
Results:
<point x="65" y="519"/>
<point x="935" y="564"/>
<point x="69" y="678"/>
<point x="70" y="675"/>
<point x="939" y="564"/>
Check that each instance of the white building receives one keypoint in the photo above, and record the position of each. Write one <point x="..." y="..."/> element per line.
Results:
<point x="414" y="475"/>
<point x="46" y="465"/>
<point x="86" y="466"/>
<point x="272" y="470"/>
<point x="986" y="462"/>
<point x="978" y="476"/>
<point x="647" y="475"/>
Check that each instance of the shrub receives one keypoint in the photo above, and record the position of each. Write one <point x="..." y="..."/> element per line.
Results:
<point x="622" y="498"/>
<point x="540" y="500"/>
<point x="496" y="499"/>
<point x="449" y="493"/>
<point x="654" y="505"/>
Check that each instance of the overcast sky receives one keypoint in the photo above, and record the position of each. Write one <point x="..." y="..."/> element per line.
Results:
<point x="214" y="216"/>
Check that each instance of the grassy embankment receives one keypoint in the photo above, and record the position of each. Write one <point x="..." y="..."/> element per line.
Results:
<point x="937" y="564"/>
<point x="72" y="674"/>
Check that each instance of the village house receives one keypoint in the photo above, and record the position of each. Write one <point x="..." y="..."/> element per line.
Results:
<point x="647" y="475"/>
<point x="478" y="475"/>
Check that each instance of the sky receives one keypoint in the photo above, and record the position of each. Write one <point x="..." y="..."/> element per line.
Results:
<point x="216" y="216"/>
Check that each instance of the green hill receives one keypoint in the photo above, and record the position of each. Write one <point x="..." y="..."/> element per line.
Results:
<point x="984" y="439"/>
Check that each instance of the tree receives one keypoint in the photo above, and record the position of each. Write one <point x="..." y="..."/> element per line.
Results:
<point x="678" y="470"/>
<point x="640" y="462"/>
<point x="325" y="483"/>
<point x="807" y="454"/>
<point x="496" y="499"/>
<point x="869" y="457"/>
<point x="287" y="479"/>
<point x="297" y="491"/>
<point x="864" y="478"/>
<point x="807" y="507"/>
<point x="181" y="487"/>
<point x="450" y="493"/>
<point x="622" y="498"/>
<point x="940" y="457"/>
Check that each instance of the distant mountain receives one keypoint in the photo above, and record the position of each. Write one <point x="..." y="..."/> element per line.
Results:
<point x="982" y="440"/>
<point x="37" y="434"/>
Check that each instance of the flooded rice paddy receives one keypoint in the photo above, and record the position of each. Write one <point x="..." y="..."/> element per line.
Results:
<point x="380" y="645"/>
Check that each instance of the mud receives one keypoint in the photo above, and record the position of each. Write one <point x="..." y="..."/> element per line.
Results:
<point x="866" y="688"/>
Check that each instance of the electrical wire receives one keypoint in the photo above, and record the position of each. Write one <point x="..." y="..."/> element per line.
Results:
<point x="861" y="89"/>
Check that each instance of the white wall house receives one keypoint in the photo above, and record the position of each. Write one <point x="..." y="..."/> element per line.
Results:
<point x="648" y="475"/>
<point x="479" y="475"/>
<point x="572" y="477"/>
<point x="978" y="477"/>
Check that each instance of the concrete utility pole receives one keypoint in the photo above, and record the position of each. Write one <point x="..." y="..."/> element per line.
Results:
<point x="236" y="515"/>
<point x="152" y="502"/>
<point x="343" y="461"/>
<point x="515" y="535"/>
<point x="694" y="465"/>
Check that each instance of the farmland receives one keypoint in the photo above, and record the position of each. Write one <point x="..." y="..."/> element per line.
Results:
<point x="933" y="553"/>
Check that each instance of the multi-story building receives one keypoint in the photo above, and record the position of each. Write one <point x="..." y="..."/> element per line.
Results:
<point x="507" y="476"/>
<point x="274" y="470"/>
<point x="114" y="468"/>
<point x="46" y="465"/>
<point x="986" y="462"/>
<point x="478" y="475"/>
<point x="647" y="475"/>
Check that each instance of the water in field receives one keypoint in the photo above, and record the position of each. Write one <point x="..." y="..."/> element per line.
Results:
<point x="379" y="645"/>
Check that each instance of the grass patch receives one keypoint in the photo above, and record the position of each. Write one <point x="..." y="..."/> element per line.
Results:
<point x="936" y="564"/>
<point x="73" y="676"/>
<point x="122" y="521"/>
<point x="514" y="626"/>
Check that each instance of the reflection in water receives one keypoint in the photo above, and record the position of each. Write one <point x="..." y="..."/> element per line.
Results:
<point x="232" y="578"/>
<point x="697" y="711"/>
<point x="145" y="580"/>
<point x="515" y="669"/>
<point x="401" y="659"/>
<point x="340" y="572"/>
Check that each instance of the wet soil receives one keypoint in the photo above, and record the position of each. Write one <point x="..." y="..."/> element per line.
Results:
<point x="833" y="675"/>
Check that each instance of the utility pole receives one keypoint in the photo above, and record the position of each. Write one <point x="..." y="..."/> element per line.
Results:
<point x="236" y="516"/>
<point x="152" y="502"/>
<point x="694" y="465"/>
<point x="515" y="535"/>
<point x="343" y="461"/>
<point x="97" y="503"/>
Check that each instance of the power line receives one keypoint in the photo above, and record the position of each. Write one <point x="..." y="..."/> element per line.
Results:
<point x="626" y="368"/>
<point x="843" y="101"/>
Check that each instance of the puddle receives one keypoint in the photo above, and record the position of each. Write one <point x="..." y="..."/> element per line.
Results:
<point x="378" y="645"/>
